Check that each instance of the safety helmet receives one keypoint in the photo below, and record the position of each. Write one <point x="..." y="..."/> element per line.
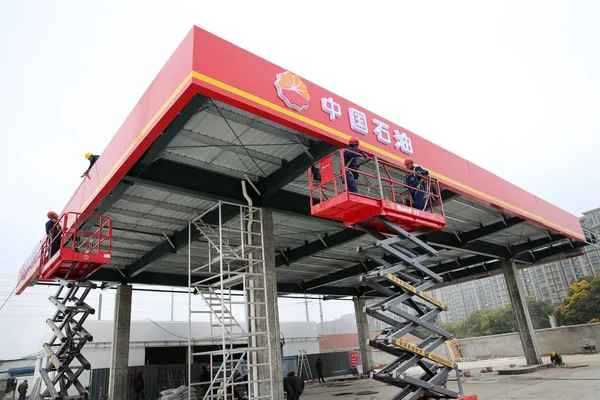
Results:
<point x="52" y="214"/>
<point x="408" y="161"/>
<point x="552" y="354"/>
<point x="354" y="141"/>
<point x="88" y="155"/>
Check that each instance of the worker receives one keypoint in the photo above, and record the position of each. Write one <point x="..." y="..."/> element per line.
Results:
<point x="10" y="385"/>
<point x="294" y="386"/>
<point x="319" y="368"/>
<point x="22" y="390"/>
<point x="556" y="360"/>
<point x="53" y="230"/>
<point x="416" y="181"/>
<point x="205" y="380"/>
<point x="138" y="386"/>
<point x="350" y="160"/>
<point x="92" y="159"/>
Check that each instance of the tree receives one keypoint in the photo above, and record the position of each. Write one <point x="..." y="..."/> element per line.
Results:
<point x="583" y="304"/>
<point x="499" y="320"/>
<point x="539" y="311"/>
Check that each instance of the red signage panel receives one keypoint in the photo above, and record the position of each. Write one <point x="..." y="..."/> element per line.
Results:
<point x="327" y="169"/>
<point x="354" y="359"/>
<point x="221" y="70"/>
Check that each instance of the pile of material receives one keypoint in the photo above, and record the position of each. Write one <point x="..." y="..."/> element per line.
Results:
<point x="181" y="393"/>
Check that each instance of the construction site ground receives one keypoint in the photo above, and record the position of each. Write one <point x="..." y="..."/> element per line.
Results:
<point x="581" y="383"/>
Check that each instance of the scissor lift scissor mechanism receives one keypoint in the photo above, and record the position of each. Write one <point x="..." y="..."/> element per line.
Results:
<point x="383" y="207"/>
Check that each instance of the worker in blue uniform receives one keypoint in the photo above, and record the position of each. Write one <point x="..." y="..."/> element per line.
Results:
<point x="92" y="158"/>
<point x="416" y="181"/>
<point x="351" y="154"/>
<point x="53" y="232"/>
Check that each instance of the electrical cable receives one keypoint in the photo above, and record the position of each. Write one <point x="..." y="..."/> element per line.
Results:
<point x="170" y="333"/>
<point x="5" y="301"/>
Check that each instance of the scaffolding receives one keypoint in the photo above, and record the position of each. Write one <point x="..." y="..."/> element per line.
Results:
<point x="226" y="271"/>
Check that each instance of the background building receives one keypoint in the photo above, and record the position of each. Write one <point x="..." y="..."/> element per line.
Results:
<point x="548" y="282"/>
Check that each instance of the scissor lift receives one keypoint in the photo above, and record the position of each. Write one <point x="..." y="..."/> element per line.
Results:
<point x="384" y="208"/>
<point x="83" y="245"/>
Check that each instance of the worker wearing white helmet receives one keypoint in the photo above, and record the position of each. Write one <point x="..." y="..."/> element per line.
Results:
<point x="92" y="159"/>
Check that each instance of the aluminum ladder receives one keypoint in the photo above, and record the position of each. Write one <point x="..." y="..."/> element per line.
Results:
<point x="403" y="279"/>
<point x="69" y="337"/>
<point x="233" y="276"/>
<point x="304" y="370"/>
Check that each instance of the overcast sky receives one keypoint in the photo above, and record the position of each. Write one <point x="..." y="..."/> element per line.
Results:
<point x="512" y="86"/>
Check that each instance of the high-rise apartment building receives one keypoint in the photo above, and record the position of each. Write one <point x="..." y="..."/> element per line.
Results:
<point x="549" y="282"/>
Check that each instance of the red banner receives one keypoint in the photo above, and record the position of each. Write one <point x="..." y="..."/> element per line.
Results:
<point x="354" y="359"/>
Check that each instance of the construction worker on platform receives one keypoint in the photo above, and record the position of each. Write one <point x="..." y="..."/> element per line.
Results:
<point x="416" y="181"/>
<point x="92" y="158"/>
<point x="53" y="232"/>
<point x="351" y="155"/>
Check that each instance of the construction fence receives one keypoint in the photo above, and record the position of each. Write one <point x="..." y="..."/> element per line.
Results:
<point x="160" y="377"/>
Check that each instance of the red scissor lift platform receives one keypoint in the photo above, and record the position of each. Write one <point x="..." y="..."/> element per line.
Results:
<point x="381" y="192"/>
<point x="80" y="251"/>
<point x="383" y="205"/>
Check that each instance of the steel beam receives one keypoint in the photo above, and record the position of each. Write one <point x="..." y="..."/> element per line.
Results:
<point x="495" y="267"/>
<point x="293" y="169"/>
<point x="151" y="217"/>
<point x="223" y="145"/>
<point x="317" y="246"/>
<point x="160" y="204"/>
<point x="255" y="122"/>
<point x="155" y="150"/>
<point x="186" y="180"/>
<point x="489" y="229"/>
<point x="112" y="197"/>
<point x="179" y="240"/>
<point x="162" y="279"/>
<point x="440" y="269"/>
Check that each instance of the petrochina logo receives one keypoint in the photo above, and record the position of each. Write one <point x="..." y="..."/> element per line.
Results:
<point x="292" y="91"/>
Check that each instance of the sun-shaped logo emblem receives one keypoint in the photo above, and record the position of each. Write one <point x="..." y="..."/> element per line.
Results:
<point x="292" y="91"/>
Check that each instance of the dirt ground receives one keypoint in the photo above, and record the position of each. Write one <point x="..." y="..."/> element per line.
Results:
<point x="565" y="384"/>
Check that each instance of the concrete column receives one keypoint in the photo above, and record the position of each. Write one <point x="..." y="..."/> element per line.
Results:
<point x="362" y="325"/>
<point x="119" y="360"/>
<point x="519" y="305"/>
<point x="272" y="312"/>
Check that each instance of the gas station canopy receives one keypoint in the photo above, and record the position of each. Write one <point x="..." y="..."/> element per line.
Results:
<point x="217" y="115"/>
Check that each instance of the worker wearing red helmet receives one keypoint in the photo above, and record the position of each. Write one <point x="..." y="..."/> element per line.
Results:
<point x="53" y="232"/>
<point x="416" y="181"/>
<point x="350" y="160"/>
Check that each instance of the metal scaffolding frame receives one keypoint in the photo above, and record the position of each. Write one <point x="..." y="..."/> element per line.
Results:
<point x="415" y="309"/>
<point x="232" y="275"/>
